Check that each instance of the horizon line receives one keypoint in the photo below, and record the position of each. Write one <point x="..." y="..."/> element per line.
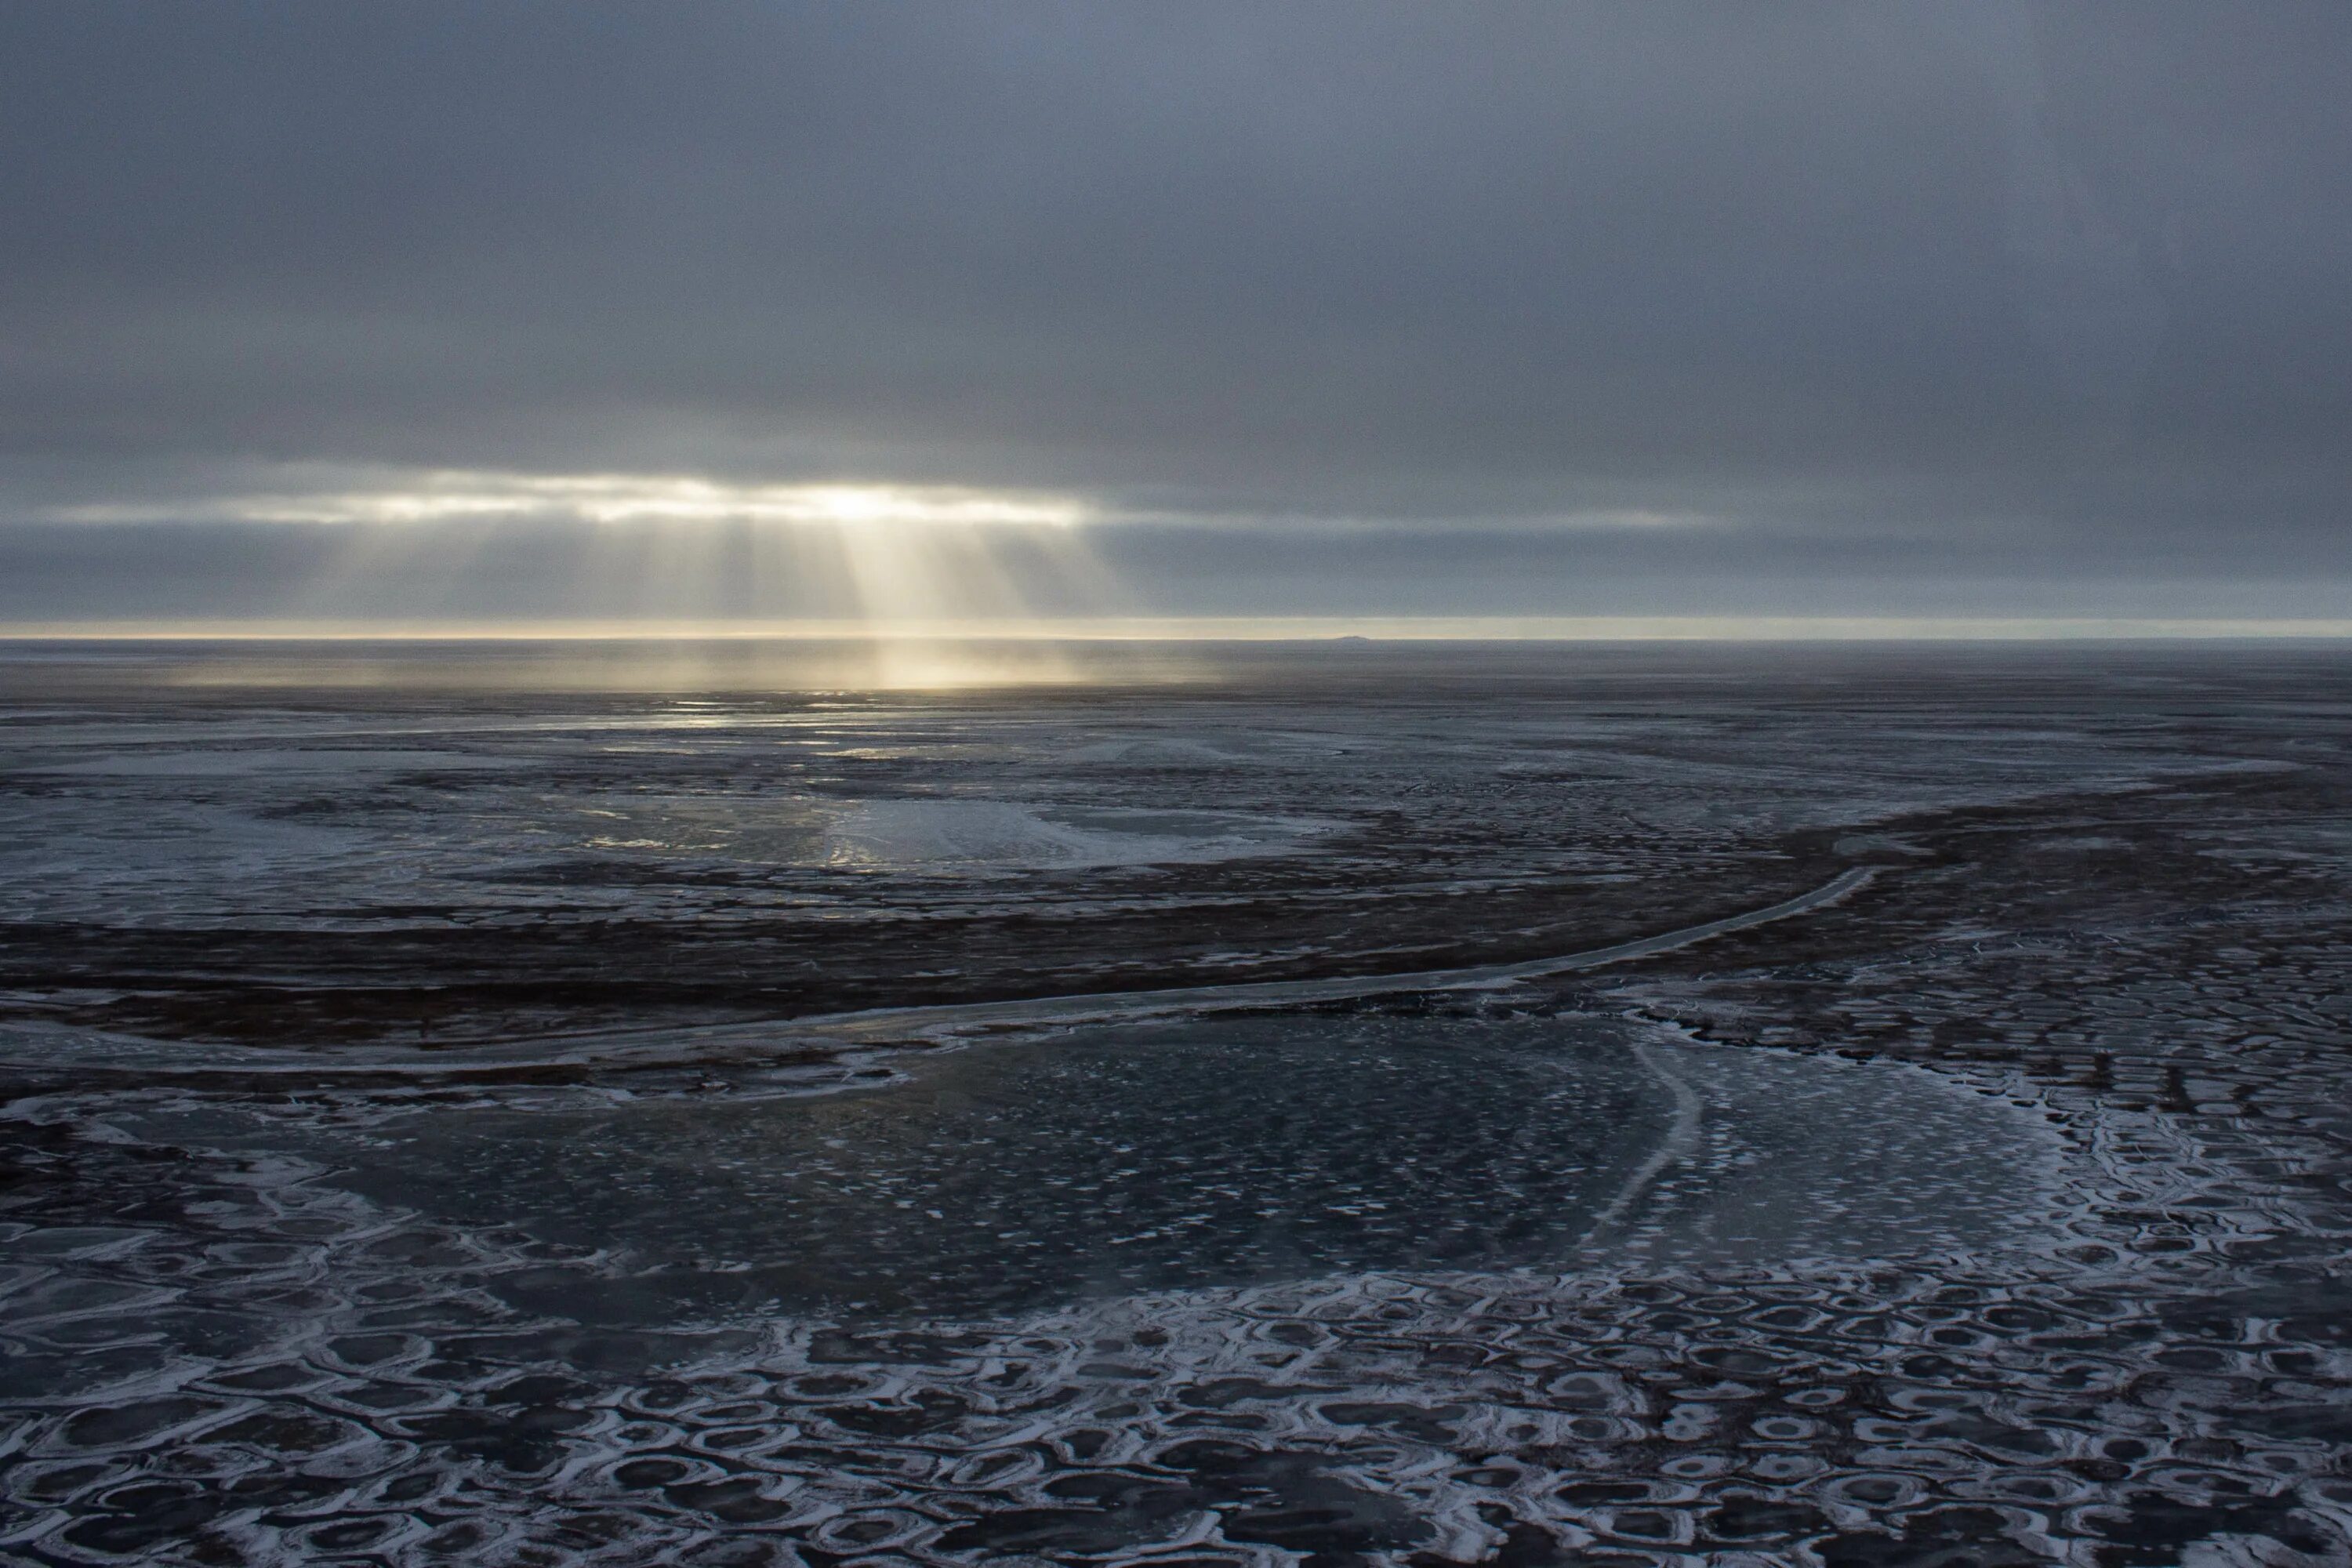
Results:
<point x="1219" y="629"/>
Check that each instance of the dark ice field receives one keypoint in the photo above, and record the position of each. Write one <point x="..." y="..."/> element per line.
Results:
<point x="1327" y="1104"/>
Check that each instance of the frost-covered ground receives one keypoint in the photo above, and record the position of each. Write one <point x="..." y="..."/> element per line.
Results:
<point x="433" y="1132"/>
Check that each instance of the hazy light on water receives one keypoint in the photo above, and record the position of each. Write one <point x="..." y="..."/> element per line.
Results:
<point x="735" y="665"/>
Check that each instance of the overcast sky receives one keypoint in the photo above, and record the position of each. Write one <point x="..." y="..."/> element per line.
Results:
<point x="1349" y="309"/>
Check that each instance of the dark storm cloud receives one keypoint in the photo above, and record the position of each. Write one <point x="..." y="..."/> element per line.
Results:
<point x="1972" y="288"/>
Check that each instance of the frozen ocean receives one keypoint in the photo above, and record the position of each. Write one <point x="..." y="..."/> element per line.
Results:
<point x="1282" y="1103"/>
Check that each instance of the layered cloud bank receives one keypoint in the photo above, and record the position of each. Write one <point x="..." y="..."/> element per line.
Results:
<point x="1325" y="310"/>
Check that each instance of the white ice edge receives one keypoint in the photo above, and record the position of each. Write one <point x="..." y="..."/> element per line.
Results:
<point x="23" y="1045"/>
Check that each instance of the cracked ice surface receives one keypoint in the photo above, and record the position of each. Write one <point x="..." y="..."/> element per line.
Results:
<point x="1996" y="1212"/>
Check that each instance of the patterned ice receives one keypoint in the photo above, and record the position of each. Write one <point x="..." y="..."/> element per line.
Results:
<point x="417" y="1150"/>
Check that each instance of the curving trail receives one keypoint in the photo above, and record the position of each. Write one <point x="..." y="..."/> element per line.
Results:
<point x="901" y="1022"/>
<point x="1682" y="1138"/>
<point x="53" y="1048"/>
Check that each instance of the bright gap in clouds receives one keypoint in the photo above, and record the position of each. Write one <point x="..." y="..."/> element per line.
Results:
<point x="887" y="562"/>
<point x="446" y="494"/>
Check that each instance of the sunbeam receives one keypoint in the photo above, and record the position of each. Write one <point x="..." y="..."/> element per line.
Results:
<point x="914" y="573"/>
